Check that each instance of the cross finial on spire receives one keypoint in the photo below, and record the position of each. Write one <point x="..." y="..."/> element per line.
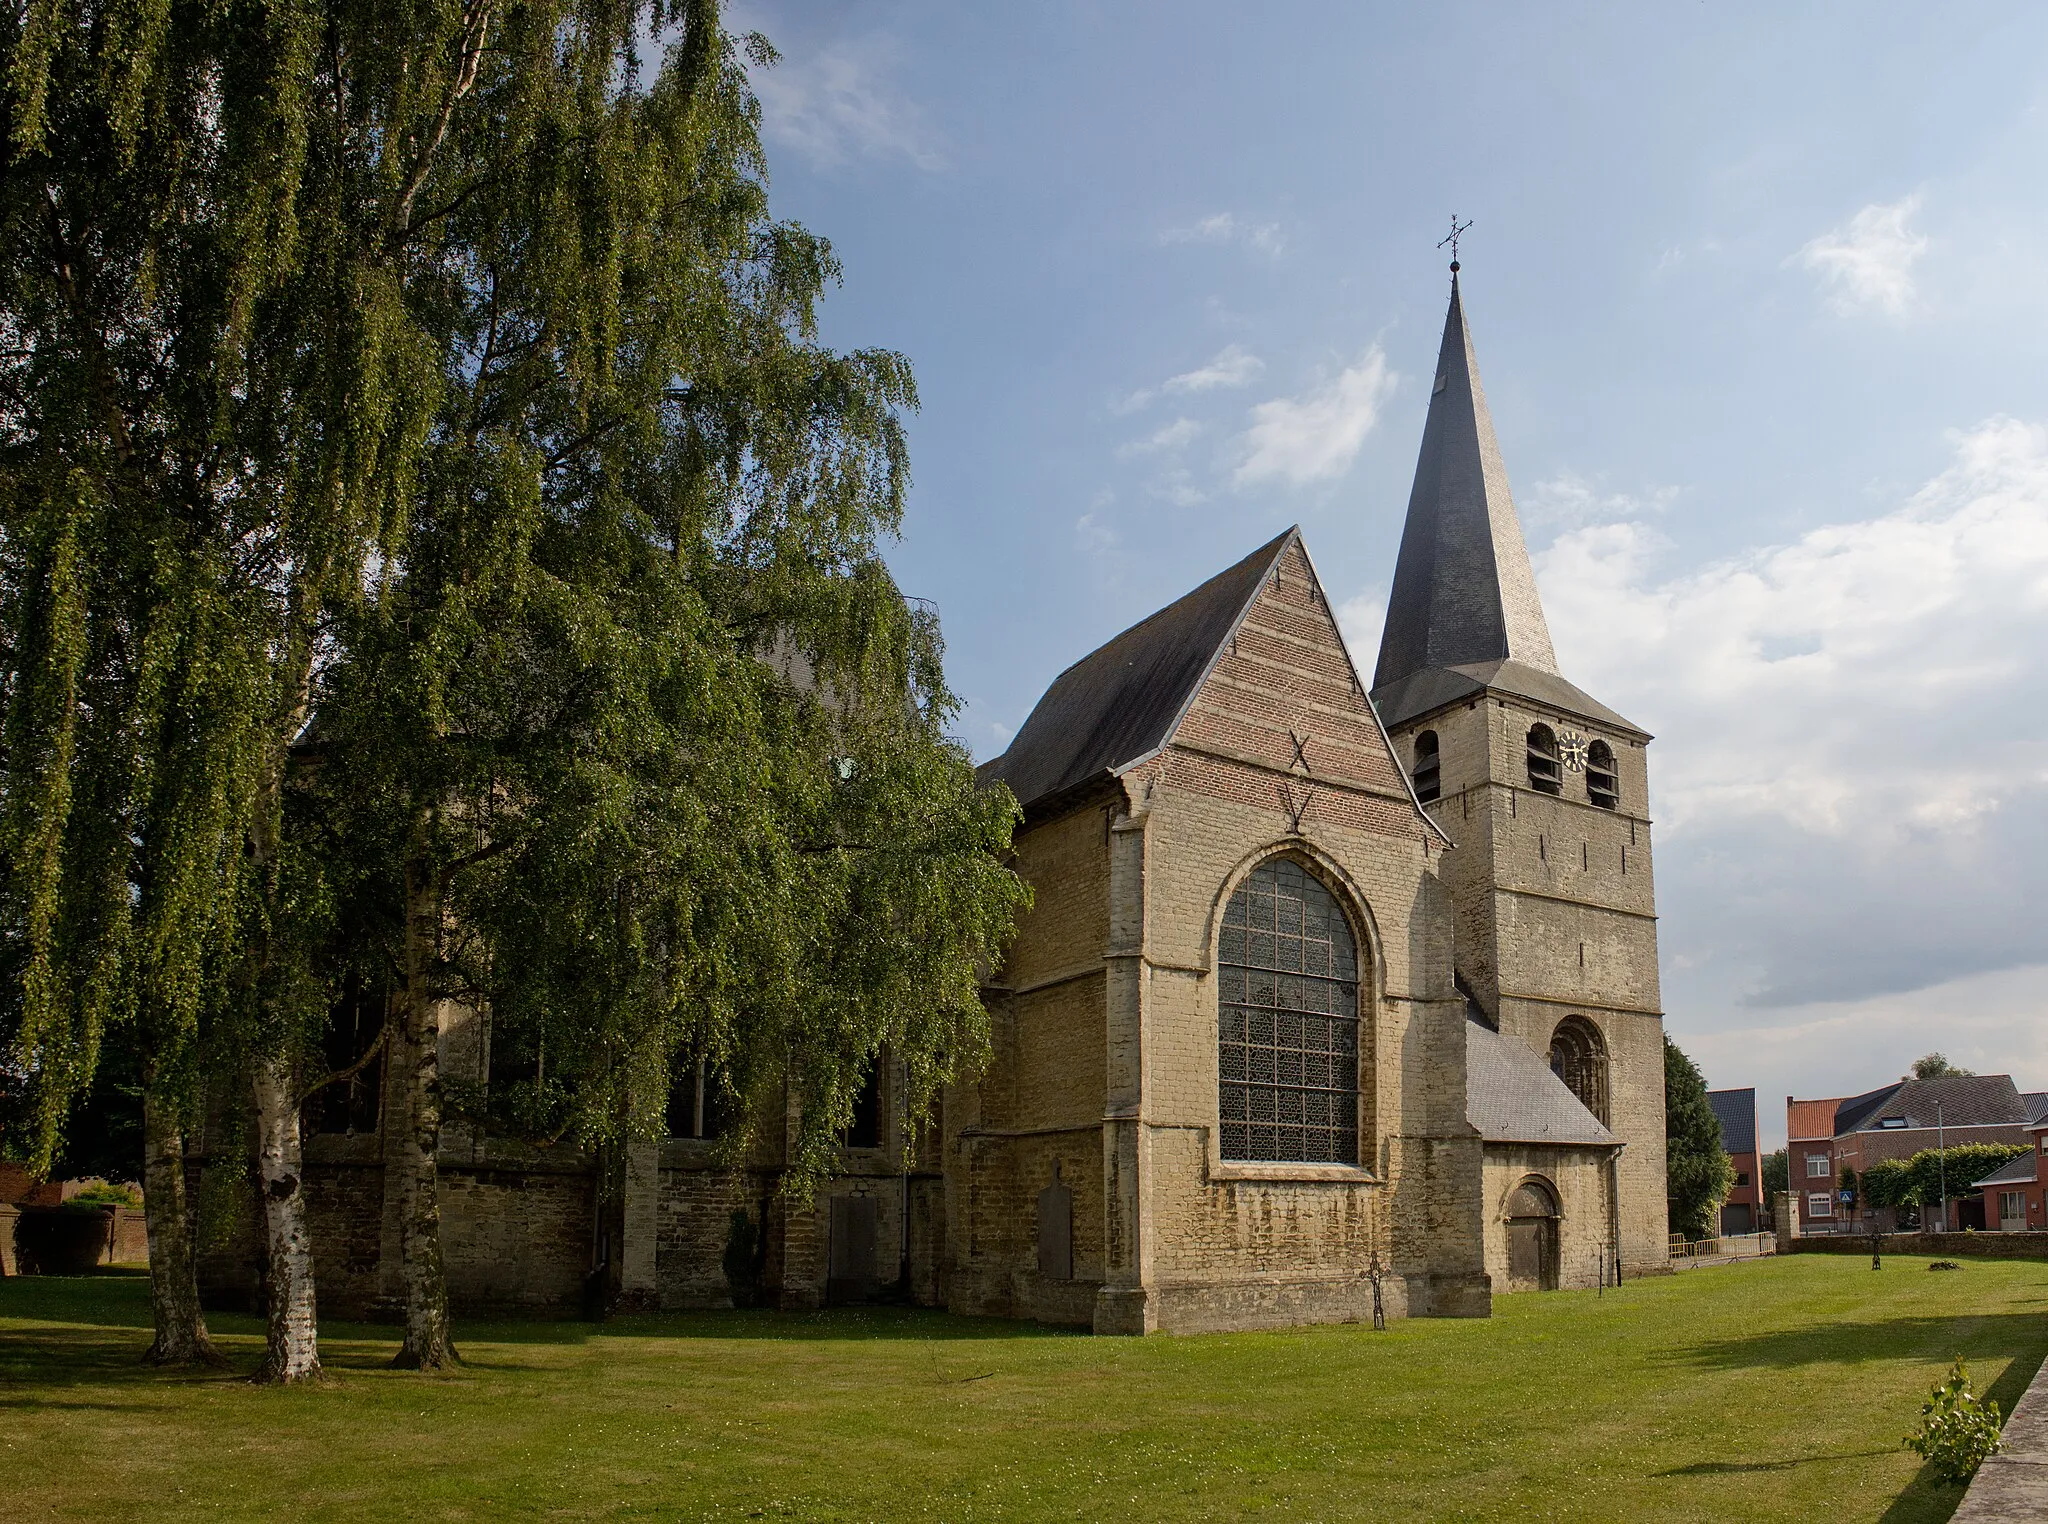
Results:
<point x="1458" y="229"/>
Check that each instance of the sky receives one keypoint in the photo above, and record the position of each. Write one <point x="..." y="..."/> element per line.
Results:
<point x="1760" y="299"/>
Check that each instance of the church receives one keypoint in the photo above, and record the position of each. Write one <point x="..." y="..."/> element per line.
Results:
<point x="1324" y="986"/>
<point x="1334" y="1000"/>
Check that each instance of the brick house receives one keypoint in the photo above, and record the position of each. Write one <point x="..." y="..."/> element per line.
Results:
<point x="1810" y="1162"/>
<point x="2015" y="1196"/>
<point x="1744" y="1209"/>
<point x="1327" y="996"/>
<point x="1896" y="1121"/>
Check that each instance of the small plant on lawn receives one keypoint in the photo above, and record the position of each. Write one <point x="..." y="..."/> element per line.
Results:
<point x="1957" y="1428"/>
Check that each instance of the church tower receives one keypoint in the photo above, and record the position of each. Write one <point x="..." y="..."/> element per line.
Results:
<point x="1542" y="789"/>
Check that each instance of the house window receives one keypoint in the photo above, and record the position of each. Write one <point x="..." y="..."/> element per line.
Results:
<point x="1287" y="1021"/>
<point x="1578" y="1056"/>
<point x="1545" y="776"/>
<point x="1428" y="772"/>
<point x="1817" y="1167"/>
<point x="2011" y="1204"/>
<point x="1820" y="1204"/>
<point x="1603" y="784"/>
<point x="1893" y="1122"/>
<point x="1742" y="1180"/>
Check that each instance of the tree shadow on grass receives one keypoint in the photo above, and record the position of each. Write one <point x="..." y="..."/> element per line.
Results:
<point x="2019" y="1336"/>
<point x="1744" y="1468"/>
<point x="856" y="1324"/>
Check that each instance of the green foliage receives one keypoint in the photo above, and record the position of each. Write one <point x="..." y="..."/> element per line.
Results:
<point x="1935" y="1066"/>
<point x="1777" y="1175"/>
<point x="1698" y="1173"/>
<point x="742" y="1260"/>
<point x="1889" y="1183"/>
<point x="1918" y="1181"/>
<point x="1958" y="1430"/>
<point x="440" y="381"/>
<point x="104" y="1195"/>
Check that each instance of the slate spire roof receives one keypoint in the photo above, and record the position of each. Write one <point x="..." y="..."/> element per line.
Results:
<point x="1464" y="615"/>
<point x="1463" y="588"/>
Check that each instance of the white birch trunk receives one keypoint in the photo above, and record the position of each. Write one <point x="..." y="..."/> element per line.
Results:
<point x="413" y="1144"/>
<point x="292" y="1352"/>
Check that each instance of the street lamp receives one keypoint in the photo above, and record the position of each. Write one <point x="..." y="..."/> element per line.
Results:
<point x="1941" y="1163"/>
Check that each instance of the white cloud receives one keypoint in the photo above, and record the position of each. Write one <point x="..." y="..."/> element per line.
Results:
<point x="1234" y="365"/>
<point x="837" y="105"/>
<point x="1227" y="227"/>
<point x="1174" y="436"/>
<point x="1362" y="618"/>
<point x="1316" y="435"/>
<point x="1869" y="263"/>
<point x="1571" y="501"/>
<point x="1094" y="536"/>
<point x="1849" y="775"/>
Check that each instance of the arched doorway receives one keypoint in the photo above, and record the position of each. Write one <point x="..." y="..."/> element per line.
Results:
<point x="1532" y="1237"/>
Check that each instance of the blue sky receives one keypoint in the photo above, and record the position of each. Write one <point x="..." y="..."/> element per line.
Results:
<point x="1760" y="300"/>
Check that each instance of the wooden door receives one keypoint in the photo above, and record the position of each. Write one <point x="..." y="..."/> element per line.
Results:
<point x="853" y="1230"/>
<point x="1525" y="1253"/>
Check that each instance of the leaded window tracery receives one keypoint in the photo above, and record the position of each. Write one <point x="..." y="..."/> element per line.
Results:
<point x="1287" y="986"/>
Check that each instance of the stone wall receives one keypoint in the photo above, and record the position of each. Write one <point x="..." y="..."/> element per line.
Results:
<point x="1938" y="1245"/>
<point x="1556" y="916"/>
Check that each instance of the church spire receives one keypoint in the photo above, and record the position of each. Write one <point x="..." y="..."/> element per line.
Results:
<point x="1463" y="588"/>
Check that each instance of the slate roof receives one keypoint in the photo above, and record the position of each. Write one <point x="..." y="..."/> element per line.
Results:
<point x="1464" y="616"/>
<point x="2017" y="1171"/>
<point x="1735" y="1110"/>
<point x="1854" y="1112"/>
<point x="2036" y="1102"/>
<point x="1121" y="702"/>
<point x="1512" y="1097"/>
<point x="1966" y="1100"/>
<point x="1463" y="588"/>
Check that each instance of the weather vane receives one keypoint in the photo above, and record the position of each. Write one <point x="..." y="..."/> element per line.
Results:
<point x="1457" y="230"/>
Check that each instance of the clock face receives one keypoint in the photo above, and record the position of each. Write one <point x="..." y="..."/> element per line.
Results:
<point x="1571" y="749"/>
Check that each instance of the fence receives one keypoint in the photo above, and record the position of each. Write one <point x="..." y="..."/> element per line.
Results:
<point x="1731" y="1246"/>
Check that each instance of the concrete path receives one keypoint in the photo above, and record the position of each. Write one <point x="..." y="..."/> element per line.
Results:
<point x="2013" y="1484"/>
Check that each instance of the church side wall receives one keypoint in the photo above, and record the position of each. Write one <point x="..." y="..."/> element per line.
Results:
<point x="1039" y="1105"/>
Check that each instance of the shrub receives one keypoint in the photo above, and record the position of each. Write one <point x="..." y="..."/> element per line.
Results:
<point x="104" y="1195"/>
<point x="1958" y="1430"/>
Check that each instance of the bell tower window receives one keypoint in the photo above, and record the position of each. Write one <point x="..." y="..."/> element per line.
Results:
<point x="1428" y="771"/>
<point x="1546" y="776"/>
<point x="1603" y="785"/>
<point x="1578" y="1056"/>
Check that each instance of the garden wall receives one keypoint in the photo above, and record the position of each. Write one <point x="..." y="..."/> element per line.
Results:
<point x="1941" y="1245"/>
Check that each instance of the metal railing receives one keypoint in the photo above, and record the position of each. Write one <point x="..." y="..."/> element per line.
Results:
<point x="1728" y="1246"/>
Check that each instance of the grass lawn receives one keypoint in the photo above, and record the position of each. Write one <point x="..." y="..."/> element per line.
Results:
<point x="1775" y="1390"/>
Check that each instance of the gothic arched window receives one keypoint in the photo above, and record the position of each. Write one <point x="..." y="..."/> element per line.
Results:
<point x="1287" y="1021"/>
<point x="1578" y="1056"/>
<point x="1545" y="776"/>
<point x="1428" y="772"/>
<point x="1603" y="784"/>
